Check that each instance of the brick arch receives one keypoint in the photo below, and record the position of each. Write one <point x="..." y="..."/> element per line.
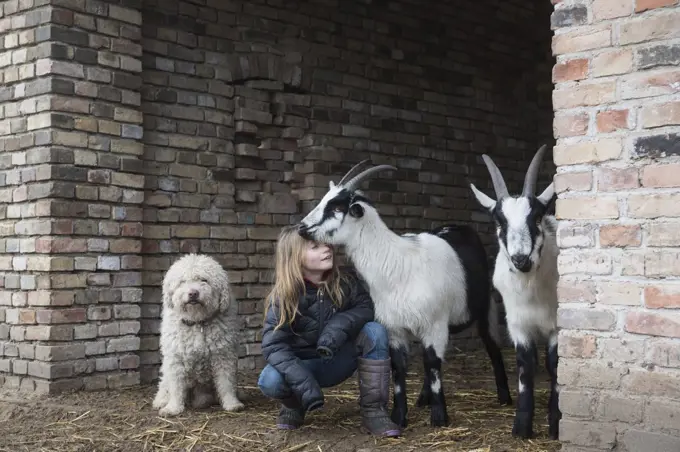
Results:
<point x="266" y="66"/>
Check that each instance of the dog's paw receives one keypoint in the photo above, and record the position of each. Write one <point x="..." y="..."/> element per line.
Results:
<point x="160" y="401"/>
<point x="232" y="405"/>
<point x="171" y="409"/>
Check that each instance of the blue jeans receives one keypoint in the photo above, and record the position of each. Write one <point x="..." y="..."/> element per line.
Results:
<point x="371" y="343"/>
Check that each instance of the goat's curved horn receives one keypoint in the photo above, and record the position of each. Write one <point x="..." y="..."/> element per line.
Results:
<point x="496" y="178"/>
<point x="356" y="180"/>
<point x="532" y="173"/>
<point x="352" y="171"/>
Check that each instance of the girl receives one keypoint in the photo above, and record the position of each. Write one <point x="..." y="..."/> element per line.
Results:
<point x="318" y="330"/>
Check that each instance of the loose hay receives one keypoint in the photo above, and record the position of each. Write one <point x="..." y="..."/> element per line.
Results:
<point x="123" y="421"/>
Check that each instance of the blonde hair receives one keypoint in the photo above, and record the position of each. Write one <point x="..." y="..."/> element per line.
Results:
<point x="289" y="281"/>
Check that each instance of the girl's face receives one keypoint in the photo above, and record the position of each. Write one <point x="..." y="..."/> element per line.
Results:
<point x="317" y="257"/>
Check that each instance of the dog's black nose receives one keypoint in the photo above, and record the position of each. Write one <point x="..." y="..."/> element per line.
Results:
<point x="193" y="295"/>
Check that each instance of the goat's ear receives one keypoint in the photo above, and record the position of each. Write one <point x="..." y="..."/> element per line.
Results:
<point x="547" y="196"/>
<point x="484" y="200"/>
<point x="331" y="184"/>
<point x="356" y="210"/>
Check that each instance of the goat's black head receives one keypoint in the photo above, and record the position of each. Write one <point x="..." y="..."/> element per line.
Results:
<point x="342" y="208"/>
<point x="519" y="219"/>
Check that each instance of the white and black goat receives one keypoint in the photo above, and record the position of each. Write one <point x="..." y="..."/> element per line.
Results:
<point x="526" y="276"/>
<point x="423" y="286"/>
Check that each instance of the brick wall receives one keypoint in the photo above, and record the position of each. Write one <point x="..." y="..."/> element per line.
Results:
<point x="72" y="195"/>
<point x="205" y="126"/>
<point x="617" y="118"/>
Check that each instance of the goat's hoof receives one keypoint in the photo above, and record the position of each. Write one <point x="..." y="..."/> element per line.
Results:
<point x="523" y="426"/>
<point x="399" y="418"/>
<point x="554" y="425"/>
<point x="438" y="416"/>
<point x="504" y="397"/>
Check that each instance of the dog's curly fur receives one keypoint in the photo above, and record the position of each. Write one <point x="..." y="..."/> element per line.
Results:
<point x="199" y="337"/>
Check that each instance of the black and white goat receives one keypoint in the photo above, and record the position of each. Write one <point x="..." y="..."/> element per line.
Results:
<point x="423" y="285"/>
<point x="526" y="276"/>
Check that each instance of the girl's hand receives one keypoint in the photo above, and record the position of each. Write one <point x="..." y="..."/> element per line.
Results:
<point x="325" y="352"/>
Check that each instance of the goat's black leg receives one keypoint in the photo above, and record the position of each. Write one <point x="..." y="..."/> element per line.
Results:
<point x="438" y="413"/>
<point x="554" y="413"/>
<point x="494" y="352"/>
<point x="399" y="359"/>
<point x="425" y="397"/>
<point x="526" y="370"/>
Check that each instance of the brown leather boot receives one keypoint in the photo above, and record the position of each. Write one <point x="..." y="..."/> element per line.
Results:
<point x="374" y="381"/>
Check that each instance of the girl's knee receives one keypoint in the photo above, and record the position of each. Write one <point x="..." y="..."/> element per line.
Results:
<point x="377" y="333"/>
<point x="271" y="383"/>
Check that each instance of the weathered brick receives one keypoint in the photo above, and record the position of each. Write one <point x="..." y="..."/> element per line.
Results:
<point x="576" y="345"/>
<point x="663" y="352"/>
<point x="575" y="291"/>
<point x="654" y="205"/>
<point x="662" y="234"/>
<point x="586" y="152"/>
<point x="611" y="62"/>
<point x="659" y="55"/>
<point x="582" y="208"/>
<point x="573" y="15"/>
<point x="650" y="27"/>
<point x="611" y="9"/>
<point x="573" y="181"/>
<point x="590" y="434"/>
<point x="587" y="319"/>
<point x="653" y="324"/>
<point x="620" y="409"/>
<point x="615" y="179"/>
<point x="644" y="5"/>
<point x="659" y="115"/>
<point x="567" y="125"/>
<point x="585" y="94"/>
<point x="582" y="40"/>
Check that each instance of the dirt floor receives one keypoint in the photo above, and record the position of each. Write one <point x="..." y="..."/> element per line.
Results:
<point x="123" y="421"/>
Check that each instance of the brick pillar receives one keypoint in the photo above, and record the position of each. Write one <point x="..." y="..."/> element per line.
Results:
<point x="617" y="118"/>
<point x="72" y="193"/>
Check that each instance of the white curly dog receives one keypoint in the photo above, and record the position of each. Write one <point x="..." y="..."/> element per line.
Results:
<point x="199" y="337"/>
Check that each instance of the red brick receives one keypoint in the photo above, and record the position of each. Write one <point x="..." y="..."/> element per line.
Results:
<point x="60" y="245"/>
<point x="647" y="28"/>
<point x="570" y="125"/>
<point x="612" y="120"/>
<point x="570" y="70"/>
<point x="125" y="246"/>
<point x="610" y="9"/>
<point x="585" y="94"/>
<point x="644" y="5"/>
<point x="620" y="235"/>
<point x="653" y="324"/>
<point x="665" y="296"/>
<point x="614" y="179"/>
<point x="132" y="230"/>
<point x="661" y="176"/>
<point x="659" y="115"/>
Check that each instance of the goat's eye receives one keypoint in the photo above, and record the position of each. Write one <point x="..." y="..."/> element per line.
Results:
<point x="337" y="209"/>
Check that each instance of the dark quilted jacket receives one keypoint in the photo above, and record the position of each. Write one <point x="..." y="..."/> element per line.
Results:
<point x="317" y="323"/>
